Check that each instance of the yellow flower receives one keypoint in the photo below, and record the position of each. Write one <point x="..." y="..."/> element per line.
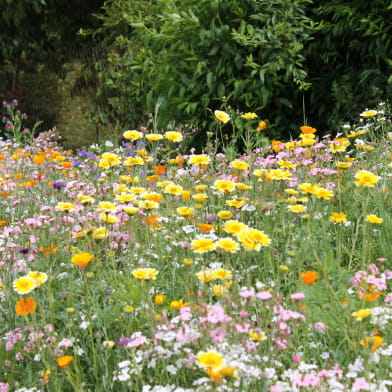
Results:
<point x="106" y="206"/>
<point x="307" y="188"/>
<point x="291" y="192"/>
<point x="249" y="116"/>
<point x="374" y="219"/>
<point x="287" y="164"/>
<point x="203" y="245"/>
<point x="154" y="137"/>
<point x="343" y="165"/>
<point x="65" y="207"/>
<point x="38" y="277"/>
<point x="148" y="205"/>
<point x="201" y="187"/>
<point x="108" y="218"/>
<point x="224" y="215"/>
<point x="239" y="165"/>
<point x="338" y="217"/>
<point x="177" y="305"/>
<point x="200" y="197"/>
<point x="85" y="199"/>
<point x="199" y="160"/>
<point x="221" y="116"/>
<point x="24" y="285"/>
<point x="131" y="210"/>
<point x="125" y="198"/>
<point x="137" y="190"/>
<point x="174" y="137"/>
<point x="283" y="268"/>
<point x="361" y="314"/>
<point x="257" y="335"/>
<point x="206" y="276"/>
<point x="297" y="208"/>
<point x="228" y="245"/>
<point x="366" y="178"/>
<point x="243" y="187"/>
<point x="209" y="360"/>
<point x="185" y="211"/>
<point x="132" y="135"/>
<point x="252" y="239"/>
<point x="109" y="160"/>
<point x="369" y="113"/>
<point x="187" y="261"/>
<point x="236" y="203"/>
<point x="134" y="161"/>
<point x="234" y="227"/>
<point x="100" y="233"/>
<point x="219" y="289"/>
<point x="82" y="259"/>
<point x="323" y="193"/>
<point x="145" y="273"/>
<point x="173" y="189"/>
<point x="160" y="299"/>
<point x="222" y="274"/>
<point x="128" y="309"/>
<point x="224" y="186"/>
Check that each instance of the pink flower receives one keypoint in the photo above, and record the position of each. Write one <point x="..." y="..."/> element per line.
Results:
<point x="65" y="343"/>
<point x="324" y="373"/>
<point x="247" y="293"/>
<point x="185" y="313"/>
<point x="307" y="380"/>
<point x="360" y="385"/>
<point x="276" y="388"/>
<point x="264" y="295"/>
<point x="373" y="269"/>
<point x="242" y="328"/>
<point x="4" y="387"/>
<point x="137" y="341"/>
<point x="297" y="296"/>
<point x="217" y="335"/>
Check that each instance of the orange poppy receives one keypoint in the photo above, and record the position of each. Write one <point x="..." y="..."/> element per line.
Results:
<point x="64" y="361"/>
<point x="25" y="306"/>
<point x="307" y="130"/>
<point x="152" y="220"/>
<point x="309" y="277"/>
<point x="159" y="169"/>
<point x="205" y="227"/>
<point x="371" y="297"/>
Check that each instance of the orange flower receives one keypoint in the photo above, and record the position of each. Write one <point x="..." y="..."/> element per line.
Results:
<point x="25" y="306"/>
<point x="372" y="342"/>
<point x="152" y="220"/>
<point x="205" y="227"/>
<point x="277" y="145"/>
<point x="64" y="361"/>
<point x="309" y="277"/>
<point x="66" y="165"/>
<point x="159" y="170"/>
<point x="262" y="126"/>
<point x="307" y="130"/>
<point x="371" y="297"/>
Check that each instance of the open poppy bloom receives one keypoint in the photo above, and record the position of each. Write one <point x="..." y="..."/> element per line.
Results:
<point x="64" y="361"/>
<point x="25" y="306"/>
<point x="309" y="277"/>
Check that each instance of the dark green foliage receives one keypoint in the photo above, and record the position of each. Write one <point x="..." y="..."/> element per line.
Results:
<point x="186" y="56"/>
<point x="349" y="62"/>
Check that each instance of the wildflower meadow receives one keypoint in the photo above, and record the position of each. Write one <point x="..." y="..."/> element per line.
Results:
<point x="152" y="267"/>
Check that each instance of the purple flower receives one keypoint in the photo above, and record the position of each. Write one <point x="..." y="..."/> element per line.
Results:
<point x="24" y="250"/>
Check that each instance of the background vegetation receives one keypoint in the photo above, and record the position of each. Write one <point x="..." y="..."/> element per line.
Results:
<point x="161" y="62"/>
